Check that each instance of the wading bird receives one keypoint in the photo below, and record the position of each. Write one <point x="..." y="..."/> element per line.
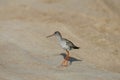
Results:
<point x="65" y="44"/>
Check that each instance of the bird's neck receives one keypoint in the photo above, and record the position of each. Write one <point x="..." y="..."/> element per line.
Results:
<point x="59" y="37"/>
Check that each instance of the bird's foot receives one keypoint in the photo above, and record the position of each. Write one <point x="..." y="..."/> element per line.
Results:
<point x="64" y="63"/>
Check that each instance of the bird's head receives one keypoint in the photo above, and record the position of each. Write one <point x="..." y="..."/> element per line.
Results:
<point x="54" y="34"/>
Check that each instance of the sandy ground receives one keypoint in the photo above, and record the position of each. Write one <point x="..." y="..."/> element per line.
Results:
<point x="26" y="53"/>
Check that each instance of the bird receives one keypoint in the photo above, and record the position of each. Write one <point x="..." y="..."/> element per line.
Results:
<point x="66" y="44"/>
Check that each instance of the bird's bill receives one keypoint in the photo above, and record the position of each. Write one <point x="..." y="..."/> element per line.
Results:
<point x="50" y="35"/>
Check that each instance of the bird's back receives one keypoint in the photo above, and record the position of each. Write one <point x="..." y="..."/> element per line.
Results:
<point x="70" y="44"/>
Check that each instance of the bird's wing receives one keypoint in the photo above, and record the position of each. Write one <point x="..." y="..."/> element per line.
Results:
<point x="69" y="43"/>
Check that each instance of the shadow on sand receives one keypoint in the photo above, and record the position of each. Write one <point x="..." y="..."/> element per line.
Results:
<point x="72" y="59"/>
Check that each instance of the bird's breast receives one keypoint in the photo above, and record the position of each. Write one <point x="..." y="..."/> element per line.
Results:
<point x="64" y="45"/>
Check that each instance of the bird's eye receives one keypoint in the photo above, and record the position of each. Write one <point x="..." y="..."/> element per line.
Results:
<point x="55" y="32"/>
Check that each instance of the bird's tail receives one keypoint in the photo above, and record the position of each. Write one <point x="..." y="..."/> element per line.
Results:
<point x="75" y="47"/>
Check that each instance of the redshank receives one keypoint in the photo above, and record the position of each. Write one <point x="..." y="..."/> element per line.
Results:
<point x="65" y="44"/>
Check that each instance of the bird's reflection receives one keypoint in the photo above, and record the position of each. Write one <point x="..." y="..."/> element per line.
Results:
<point x="72" y="59"/>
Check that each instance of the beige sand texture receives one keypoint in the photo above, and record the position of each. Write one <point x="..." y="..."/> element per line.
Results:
<point x="26" y="53"/>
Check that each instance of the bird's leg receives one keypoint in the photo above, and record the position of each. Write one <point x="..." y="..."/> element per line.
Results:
<point x="67" y="58"/>
<point x="65" y="62"/>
